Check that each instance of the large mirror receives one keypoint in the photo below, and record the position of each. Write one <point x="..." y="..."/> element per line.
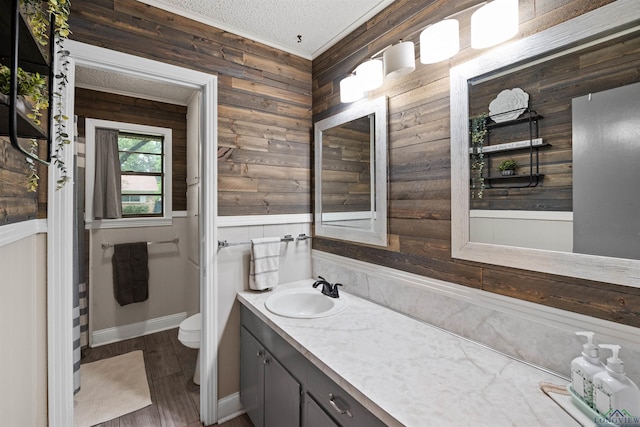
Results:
<point x="351" y="174"/>
<point x="571" y="207"/>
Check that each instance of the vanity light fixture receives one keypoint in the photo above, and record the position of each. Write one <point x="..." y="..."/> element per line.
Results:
<point x="370" y="74"/>
<point x="494" y="23"/>
<point x="439" y="41"/>
<point x="350" y="89"/>
<point x="399" y="60"/>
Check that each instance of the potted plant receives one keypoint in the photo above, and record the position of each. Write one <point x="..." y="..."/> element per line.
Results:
<point x="478" y="134"/>
<point x="33" y="87"/>
<point x="508" y="167"/>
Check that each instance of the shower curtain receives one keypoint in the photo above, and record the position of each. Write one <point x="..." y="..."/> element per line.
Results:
<point x="80" y="315"/>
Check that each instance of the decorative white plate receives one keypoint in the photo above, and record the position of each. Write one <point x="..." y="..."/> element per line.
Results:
<point x="508" y="105"/>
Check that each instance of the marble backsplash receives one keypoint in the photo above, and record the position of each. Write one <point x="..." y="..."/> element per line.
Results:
<point x="529" y="332"/>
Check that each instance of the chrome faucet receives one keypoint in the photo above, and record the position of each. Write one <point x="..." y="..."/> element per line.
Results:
<point x="327" y="288"/>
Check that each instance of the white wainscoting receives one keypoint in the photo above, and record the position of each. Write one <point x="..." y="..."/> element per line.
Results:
<point x="527" y="229"/>
<point x="13" y="232"/>
<point x="233" y="276"/>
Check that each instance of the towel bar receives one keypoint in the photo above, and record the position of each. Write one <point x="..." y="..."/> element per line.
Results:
<point x="176" y="240"/>
<point x="287" y="238"/>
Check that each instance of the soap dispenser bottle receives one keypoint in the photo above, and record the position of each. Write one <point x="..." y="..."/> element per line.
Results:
<point x="584" y="367"/>
<point x="613" y="390"/>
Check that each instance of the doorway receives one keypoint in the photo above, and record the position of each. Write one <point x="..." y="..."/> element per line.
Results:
<point x="60" y="356"/>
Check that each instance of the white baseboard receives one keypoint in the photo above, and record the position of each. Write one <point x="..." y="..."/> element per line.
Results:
<point x="133" y="330"/>
<point x="229" y="407"/>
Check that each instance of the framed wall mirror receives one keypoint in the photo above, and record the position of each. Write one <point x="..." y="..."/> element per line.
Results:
<point x="572" y="206"/>
<point x="351" y="174"/>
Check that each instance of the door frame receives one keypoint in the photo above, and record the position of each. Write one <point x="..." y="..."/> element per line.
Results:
<point x="60" y="232"/>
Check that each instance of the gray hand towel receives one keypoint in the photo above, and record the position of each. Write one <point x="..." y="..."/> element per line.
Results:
<point x="130" y="272"/>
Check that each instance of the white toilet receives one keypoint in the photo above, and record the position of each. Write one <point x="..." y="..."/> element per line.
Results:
<point x="189" y="336"/>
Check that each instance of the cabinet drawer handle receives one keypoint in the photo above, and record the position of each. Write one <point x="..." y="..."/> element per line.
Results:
<point x="260" y="353"/>
<point x="334" y="405"/>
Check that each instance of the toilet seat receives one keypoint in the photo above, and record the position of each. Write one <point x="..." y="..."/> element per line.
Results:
<point x="189" y="332"/>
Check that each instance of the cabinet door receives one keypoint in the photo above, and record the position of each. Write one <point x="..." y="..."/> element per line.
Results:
<point x="252" y="377"/>
<point x="314" y="416"/>
<point x="281" y="396"/>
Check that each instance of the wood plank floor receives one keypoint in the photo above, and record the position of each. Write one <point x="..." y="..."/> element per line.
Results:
<point x="169" y="366"/>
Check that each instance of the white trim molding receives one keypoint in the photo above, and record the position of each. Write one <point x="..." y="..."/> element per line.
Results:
<point x="212" y="22"/>
<point x="138" y="329"/>
<point x="90" y="145"/>
<point x="60" y="225"/>
<point x="13" y="232"/>
<point x="60" y="374"/>
<point x="247" y="220"/>
<point x="229" y="407"/>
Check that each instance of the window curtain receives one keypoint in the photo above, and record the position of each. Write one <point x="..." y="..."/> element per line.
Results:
<point x="107" y="201"/>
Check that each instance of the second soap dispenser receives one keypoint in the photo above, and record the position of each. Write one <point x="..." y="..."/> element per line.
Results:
<point x="583" y="369"/>
<point x="614" y="392"/>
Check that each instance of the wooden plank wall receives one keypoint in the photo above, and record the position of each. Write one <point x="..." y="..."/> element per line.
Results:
<point x="551" y="87"/>
<point x="419" y="160"/>
<point x="264" y="103"/>
<point x="264" y="107"/>
<point x="264" y="99"/>
<point x="119" y="108"/>
<point x="16" y="203"/>
<point x="346" y="160"/>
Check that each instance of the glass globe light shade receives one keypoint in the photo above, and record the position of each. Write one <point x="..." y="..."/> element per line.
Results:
<point x="494" y="23"/>
<point x="399" y="60"/>
<point x="370" y="74"/>
<point x="350" y="89"/>
<point x="440" y="41"/>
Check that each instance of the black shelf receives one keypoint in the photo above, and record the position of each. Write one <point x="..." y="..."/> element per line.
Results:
<point x="532" y="144"/>
<point x="33" y="56"/>
<point x="26" y="127"/>
<point x="534" y="180"/>
<point x="531" y="116"/>
<point x="513" y="177"/>
<point x="21" y="49"/>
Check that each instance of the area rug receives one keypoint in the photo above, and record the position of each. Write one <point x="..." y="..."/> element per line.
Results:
<point x="111" y="388"/>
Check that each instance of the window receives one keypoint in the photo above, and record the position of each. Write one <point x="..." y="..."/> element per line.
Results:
<point x="141" y="168"/>
<point x="144" y="153"/>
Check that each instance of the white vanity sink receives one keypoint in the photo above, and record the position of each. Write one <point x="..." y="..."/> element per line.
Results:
<point x="304" y="303"/>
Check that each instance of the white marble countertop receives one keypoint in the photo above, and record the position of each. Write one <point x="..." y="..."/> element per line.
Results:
<point x="409" y="373"/>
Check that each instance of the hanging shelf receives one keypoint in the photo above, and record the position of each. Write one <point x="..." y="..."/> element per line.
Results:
<point x="533" y="144"/>
<point x="24" y="51"/>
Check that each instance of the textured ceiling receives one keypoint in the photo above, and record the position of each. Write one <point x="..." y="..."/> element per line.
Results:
<point x="278" y="23"/>
<point x="126" y="84"/>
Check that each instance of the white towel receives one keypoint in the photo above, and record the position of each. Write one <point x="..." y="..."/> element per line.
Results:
<point x="265" y="258"/>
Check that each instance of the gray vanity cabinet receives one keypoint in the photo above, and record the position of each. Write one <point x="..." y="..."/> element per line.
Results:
<point x="314" y="416"/>
<point x="279" y="387"/>
<point x="334" y="400"/>
<point x="269" y="394"/>
<point x="252" y="377"/>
